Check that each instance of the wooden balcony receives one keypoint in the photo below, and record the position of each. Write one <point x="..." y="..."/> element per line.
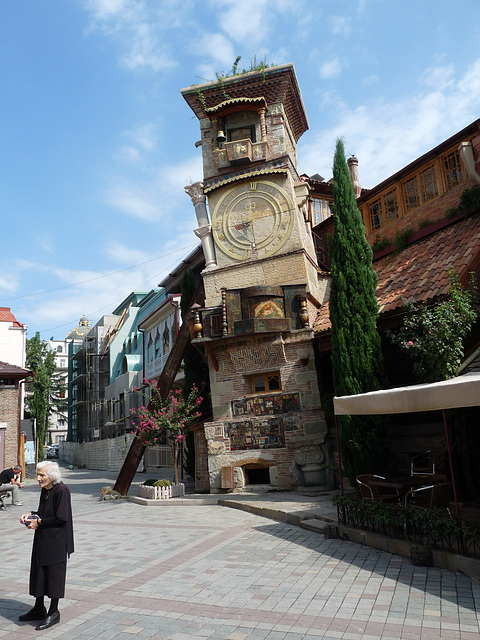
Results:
<point x="240" y="152"/>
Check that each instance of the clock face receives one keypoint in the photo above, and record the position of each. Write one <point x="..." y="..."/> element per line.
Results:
<point x="253" y="219"/>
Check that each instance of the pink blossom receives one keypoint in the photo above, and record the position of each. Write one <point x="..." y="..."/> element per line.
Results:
<point x="410" y="343"/>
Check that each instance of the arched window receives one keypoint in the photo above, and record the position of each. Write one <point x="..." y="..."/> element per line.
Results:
<point x="150" y="350"/>
<point x="158" y="346"/>
<point x="59" y="348"/>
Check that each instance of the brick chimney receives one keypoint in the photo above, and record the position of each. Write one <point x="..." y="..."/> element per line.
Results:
<point x="353" y="167"/>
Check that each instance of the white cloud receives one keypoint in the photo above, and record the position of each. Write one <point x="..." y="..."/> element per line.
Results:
<point x="8" y="284"/>
<point x="107" y="9"/>
<point x="218" y="48"/>
<point x="142" y="139"/>
<point x="135" y="200"/>
<point x="439" y="78"/>
<point x="95" y="293"/>
<point x="387" y="136"/>
<point x="144" y="135"/>
<point x="341" y="25"/>
<point x="245" y="21"/>
<point x="331" y="69"/>
<point x="145" y="50"/>
<point x="46" y="242"/>
<point x="157" y="195"/>
<point x="137" y="26"/>
<point x="125" y="254"/>
<point x="369" y="80"/>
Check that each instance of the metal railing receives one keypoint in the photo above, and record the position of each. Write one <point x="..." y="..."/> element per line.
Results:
<point x="420" y="526"/>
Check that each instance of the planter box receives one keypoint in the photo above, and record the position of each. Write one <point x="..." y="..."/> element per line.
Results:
<point x="177" y="490"/>
<point x="161" y="493"/>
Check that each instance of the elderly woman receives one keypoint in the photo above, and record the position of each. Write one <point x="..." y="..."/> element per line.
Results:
<point x="52" y="545"/>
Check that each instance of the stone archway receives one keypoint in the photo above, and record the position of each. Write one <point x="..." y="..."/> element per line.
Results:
<point x="253" y="471"/>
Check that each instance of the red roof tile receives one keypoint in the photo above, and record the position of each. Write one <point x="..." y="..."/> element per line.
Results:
<point x="421" y="271"/>
<point x="7" y="316"/>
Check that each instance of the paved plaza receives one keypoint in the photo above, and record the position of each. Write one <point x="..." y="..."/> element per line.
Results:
<point x="196" y="570"/>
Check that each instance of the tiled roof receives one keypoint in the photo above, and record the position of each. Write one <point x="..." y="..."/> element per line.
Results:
<point x="421" y="271"/>
<point x="12" y="370"/>
<point x="7" y="316"/>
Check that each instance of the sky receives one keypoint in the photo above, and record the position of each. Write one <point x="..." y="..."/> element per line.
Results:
<point x="97" y="143"/>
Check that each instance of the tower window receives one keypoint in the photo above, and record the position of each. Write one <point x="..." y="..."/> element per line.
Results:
<point x="265" y="382"/>
<point x="242" y="133"/>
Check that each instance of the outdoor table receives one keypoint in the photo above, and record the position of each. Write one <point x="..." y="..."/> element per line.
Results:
<point x="404" y="483"/>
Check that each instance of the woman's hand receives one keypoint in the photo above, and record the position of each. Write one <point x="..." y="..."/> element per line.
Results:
<point x="23" y="517"/>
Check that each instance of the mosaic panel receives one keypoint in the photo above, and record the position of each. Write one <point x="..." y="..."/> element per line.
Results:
<point x="265" y="433"/>
<point x="266" y="405"/>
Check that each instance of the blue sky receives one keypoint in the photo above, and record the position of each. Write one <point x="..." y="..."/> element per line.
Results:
<point x="96" y="142"/>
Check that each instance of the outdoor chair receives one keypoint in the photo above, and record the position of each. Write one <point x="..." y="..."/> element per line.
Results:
<point x="370" y="492"/>
<point x="427" y="463"/>
<point x="430" y="497"/>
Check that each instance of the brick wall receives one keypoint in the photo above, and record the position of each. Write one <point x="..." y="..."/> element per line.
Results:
<point x="9" y="418"/>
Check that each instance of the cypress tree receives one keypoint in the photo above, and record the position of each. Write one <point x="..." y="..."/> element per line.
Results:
<point x="356" y="349"/>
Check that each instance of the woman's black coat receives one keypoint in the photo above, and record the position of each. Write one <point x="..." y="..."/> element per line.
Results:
<point x="53" y="541"/>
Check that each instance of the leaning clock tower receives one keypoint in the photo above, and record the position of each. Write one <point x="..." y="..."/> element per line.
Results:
<point x="262" y="283"/>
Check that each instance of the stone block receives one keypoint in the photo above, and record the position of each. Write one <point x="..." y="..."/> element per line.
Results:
<point x="215" y="447"/>
<point x="311" y="400"/>
<point x="315" y="427"/>
<point x="306" y="377"/>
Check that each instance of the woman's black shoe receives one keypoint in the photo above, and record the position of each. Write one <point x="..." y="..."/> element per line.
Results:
<point x="33" y="614"/>
<point x="49" y="621"/>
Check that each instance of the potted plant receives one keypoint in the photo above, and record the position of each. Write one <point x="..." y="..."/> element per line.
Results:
<point x="155" y="489"/>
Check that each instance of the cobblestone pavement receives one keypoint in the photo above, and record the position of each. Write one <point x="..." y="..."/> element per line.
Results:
<point x="207" y="571"/>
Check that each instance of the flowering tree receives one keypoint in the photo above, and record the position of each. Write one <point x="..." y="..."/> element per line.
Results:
<point x="162" y="421"/>
<point x="433" y="336"/>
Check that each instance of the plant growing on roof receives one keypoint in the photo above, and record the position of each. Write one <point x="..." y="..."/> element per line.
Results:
<point x="433" y="336"/>
<point x="356" y="351"/>
<point x="165" y="421"/>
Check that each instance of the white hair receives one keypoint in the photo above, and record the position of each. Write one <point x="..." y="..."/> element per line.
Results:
<point x="51" y="469"/>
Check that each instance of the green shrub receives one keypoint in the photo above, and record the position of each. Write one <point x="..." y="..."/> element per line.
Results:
<point x="153" y="482"/>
